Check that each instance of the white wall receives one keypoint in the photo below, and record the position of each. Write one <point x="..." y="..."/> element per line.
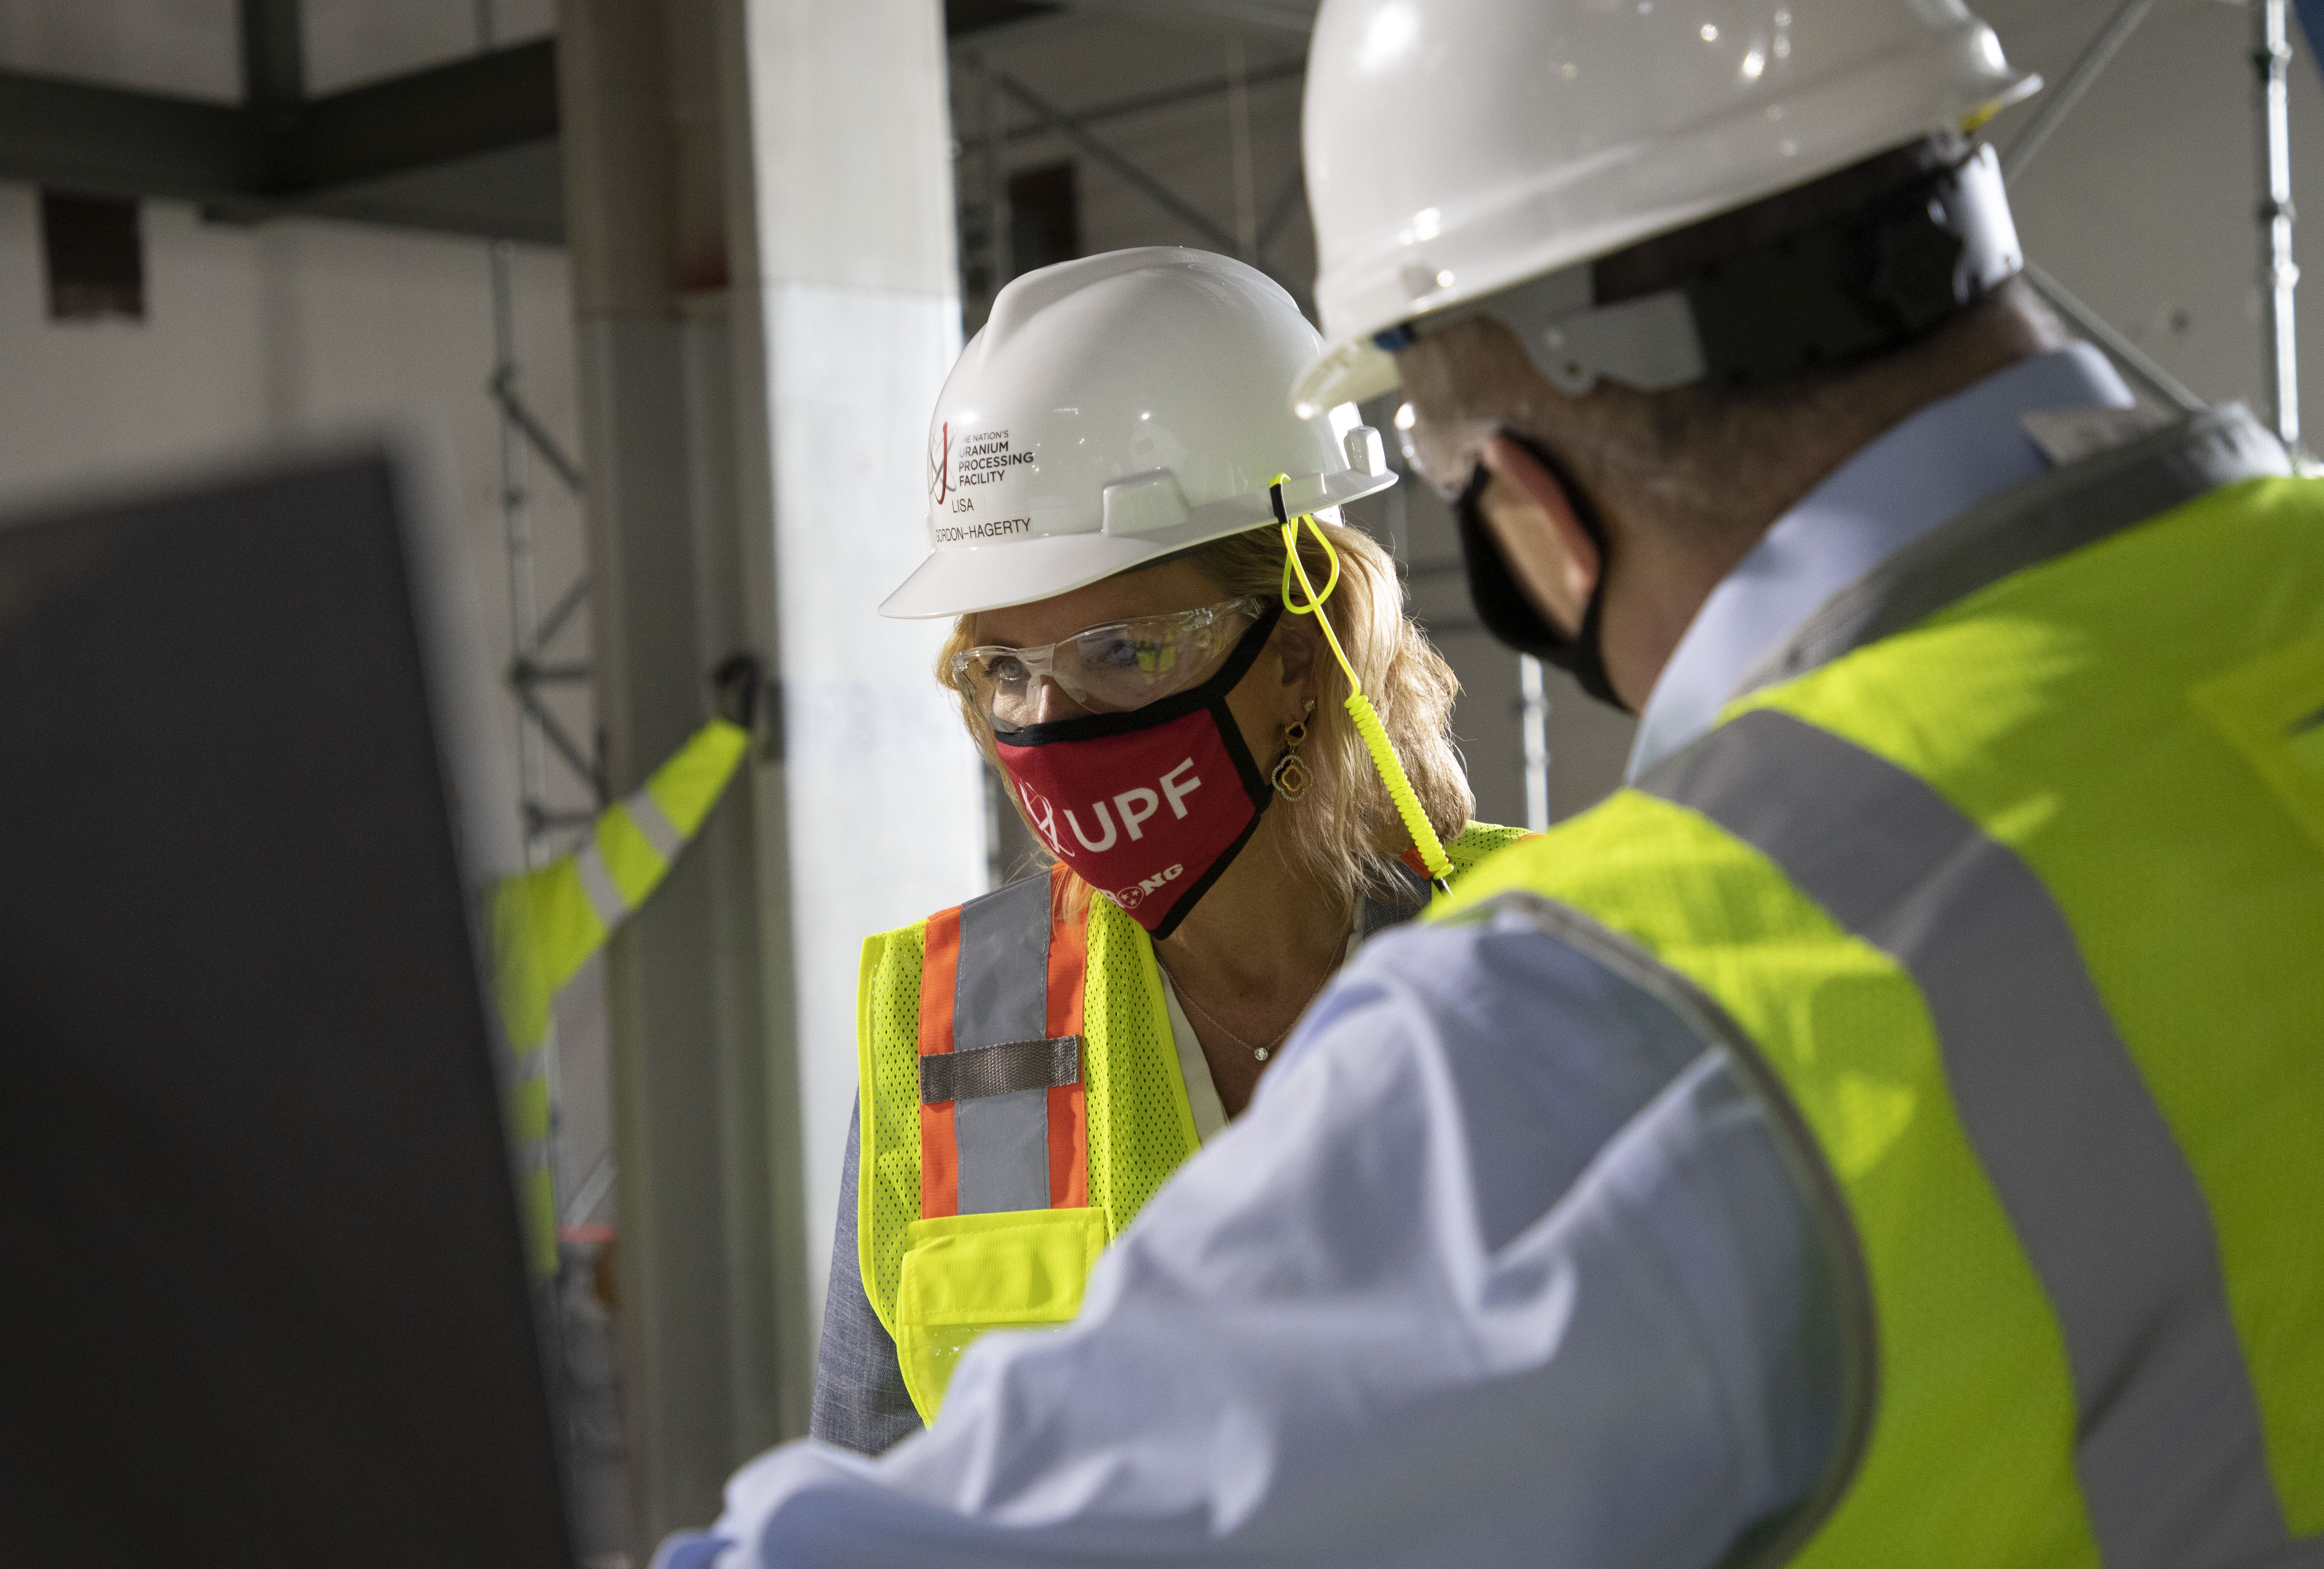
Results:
<point x="1188" y="147"/>
<point x="255" y="336"/>
<point x="2143" y="203"/>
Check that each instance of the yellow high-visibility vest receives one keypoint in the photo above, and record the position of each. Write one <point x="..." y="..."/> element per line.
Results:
<point x="546" y="923"/>
<point x="2009" y="893"/>
<point x="1021" y="1100"/>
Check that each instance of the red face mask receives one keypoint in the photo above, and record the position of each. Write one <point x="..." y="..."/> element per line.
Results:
<point x="1150" y="805"/>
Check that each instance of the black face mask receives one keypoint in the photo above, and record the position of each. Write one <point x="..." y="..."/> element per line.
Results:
<point x="1502" y="604"/>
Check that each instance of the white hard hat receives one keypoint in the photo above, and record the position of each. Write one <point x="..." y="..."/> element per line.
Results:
<point x="1456" y="147"/>
<point x="1115" y="409"/>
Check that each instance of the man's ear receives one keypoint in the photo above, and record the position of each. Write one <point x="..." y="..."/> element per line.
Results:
<point x="1532" y="519"/>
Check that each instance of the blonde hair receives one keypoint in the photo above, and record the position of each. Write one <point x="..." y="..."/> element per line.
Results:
<point x="1344" y="834"/>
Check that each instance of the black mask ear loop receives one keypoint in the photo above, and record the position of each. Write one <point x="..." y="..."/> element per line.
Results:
<point x="1502" y="604"/>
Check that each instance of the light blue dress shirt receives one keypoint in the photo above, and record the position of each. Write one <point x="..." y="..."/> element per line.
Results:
<point x="1503" y="1266"/>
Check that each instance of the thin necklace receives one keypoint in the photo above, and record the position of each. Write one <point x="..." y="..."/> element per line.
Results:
<point x="1260" y="1052"/>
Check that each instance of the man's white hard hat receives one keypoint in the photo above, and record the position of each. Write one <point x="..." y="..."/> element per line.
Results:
<point x="1113" y="410"/>
<point x="1456" y="147"/>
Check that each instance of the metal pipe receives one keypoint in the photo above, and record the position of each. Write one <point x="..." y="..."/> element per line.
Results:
<point x="1534" y="729"/>
<point x="1000" y="249"/>
<point x="2279" y="276"/>
<point x="1246" y="193"/>
<point x="2142" y="366"/>
<point x="2077" y="81"/>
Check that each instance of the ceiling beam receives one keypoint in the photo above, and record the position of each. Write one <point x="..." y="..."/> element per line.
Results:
<point x="111" y="140"/>
<point x="451" y="148"/>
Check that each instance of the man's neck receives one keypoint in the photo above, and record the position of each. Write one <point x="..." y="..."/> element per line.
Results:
<point x="1672" y="543"/>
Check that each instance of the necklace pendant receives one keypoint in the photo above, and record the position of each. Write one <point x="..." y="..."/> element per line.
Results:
<point x="1259" y="1052"/>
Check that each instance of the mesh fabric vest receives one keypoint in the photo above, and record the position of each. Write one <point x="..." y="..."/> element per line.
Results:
<point x="988" y="1185"/>
<point x="2008" y="890"/>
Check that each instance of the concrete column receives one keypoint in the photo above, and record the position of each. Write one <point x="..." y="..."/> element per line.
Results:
<point x="759" y="216"/>
<point x="713" y="1323"/>
<point x="842" y="240"/>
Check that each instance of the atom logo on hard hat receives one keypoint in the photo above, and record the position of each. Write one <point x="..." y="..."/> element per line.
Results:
<point x="940" y="465"/>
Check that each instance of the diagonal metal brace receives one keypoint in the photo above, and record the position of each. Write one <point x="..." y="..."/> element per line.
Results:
<point x="562" y="744"/>
<point x="2141" y="365"/>
<point x="502" y="387"/>
<point x="1072" y="131"/>
<point x="2069" y="92"/>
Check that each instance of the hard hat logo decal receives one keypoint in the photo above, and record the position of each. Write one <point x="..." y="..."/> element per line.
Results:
<point x="987" y="456"/>
<point x="940" y="465"/>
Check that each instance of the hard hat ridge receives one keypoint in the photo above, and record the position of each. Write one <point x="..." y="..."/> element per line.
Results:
<point x="1459" y="148"/>
<point x="1844" y="269"/>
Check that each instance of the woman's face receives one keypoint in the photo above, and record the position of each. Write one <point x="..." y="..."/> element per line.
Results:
<point x="1274" y="694"/>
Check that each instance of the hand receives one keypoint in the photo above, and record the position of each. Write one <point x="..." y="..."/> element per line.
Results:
<point x="736" y="682"/>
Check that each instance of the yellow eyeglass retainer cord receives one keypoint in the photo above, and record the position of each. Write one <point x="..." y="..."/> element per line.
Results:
<point x="1359" y="707"/>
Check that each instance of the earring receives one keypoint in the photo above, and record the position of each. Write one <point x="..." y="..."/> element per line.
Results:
<point x="1291" y="777"/>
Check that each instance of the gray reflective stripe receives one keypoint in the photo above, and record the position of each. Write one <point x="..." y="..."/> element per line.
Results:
<point x="1774" y="1540"/>
<point x="2308" y="1553"/>
<point x="984" y="1071"/>
<point x="1001" y="992"/>
<point x="598" y="883"/>
<point x="655" y="824"/>
<point x="2028" y="524"/>
<point x="2171" y="1453"/>
<point x="1010" y="1169"/>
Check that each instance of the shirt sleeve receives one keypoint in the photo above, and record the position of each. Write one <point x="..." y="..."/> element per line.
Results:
<point x="860" y="1400"/>
<point x="1505" y="1265"/>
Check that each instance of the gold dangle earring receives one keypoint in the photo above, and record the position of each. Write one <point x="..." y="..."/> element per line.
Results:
<point x="1291" y="777"/>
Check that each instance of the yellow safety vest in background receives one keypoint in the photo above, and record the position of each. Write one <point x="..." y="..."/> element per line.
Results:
<point x="1021" y="1100"/>
<point x="546" y="923"/>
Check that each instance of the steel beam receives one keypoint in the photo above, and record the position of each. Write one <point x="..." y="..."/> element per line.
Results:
<point x="503" y="98"/>
<point x="79" y="136"/>
<point x="273" y="55"/>
<point x="453" y="148"/>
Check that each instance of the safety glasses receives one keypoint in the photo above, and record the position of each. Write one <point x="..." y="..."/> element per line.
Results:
<point x="1105" y="669"/>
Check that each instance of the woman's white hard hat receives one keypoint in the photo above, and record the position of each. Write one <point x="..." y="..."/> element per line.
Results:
<point x="1116" y="410"/>
<point x="1457" y="147"/>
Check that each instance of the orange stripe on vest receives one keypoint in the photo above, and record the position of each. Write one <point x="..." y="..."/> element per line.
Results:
<point x="939" y="1154"/>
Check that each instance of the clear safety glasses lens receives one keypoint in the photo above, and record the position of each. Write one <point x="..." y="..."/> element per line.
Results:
<point x="1104" y="669"/>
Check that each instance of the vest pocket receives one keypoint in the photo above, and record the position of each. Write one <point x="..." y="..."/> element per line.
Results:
<point x="965" y="1273"/>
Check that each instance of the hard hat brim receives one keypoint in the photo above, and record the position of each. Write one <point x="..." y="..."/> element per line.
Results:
<point x="966" y="580"/>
